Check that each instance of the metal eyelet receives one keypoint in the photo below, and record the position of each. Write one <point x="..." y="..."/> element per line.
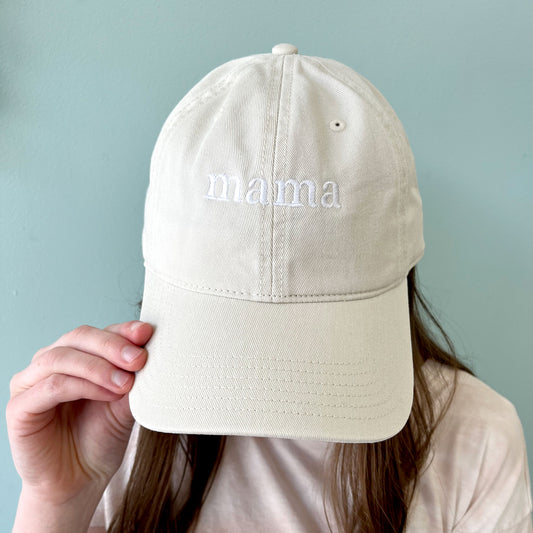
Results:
<point x="337" y="125"/>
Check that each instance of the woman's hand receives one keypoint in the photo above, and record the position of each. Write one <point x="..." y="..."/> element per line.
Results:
<point x="68" y="417"/>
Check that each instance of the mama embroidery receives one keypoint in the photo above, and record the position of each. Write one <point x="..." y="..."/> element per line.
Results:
<point x="258" y="191"/>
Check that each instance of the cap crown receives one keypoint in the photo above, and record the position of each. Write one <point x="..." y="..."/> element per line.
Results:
<point x="283" y="178"/>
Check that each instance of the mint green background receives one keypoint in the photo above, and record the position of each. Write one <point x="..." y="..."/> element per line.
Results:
<point x="86" y="86"/>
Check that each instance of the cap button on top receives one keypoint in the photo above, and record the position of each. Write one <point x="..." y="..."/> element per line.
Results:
<point x="284" y="49"/>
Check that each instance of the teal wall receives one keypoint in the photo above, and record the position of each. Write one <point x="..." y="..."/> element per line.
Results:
<point x="85" y="88"/>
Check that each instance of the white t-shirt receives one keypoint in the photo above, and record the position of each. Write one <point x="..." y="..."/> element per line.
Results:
<point x="477" y="479"/>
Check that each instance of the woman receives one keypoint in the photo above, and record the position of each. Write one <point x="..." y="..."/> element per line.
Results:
<point x="344" y="412"/>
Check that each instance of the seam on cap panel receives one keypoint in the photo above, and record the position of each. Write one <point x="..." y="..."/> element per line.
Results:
<point x="399" y="184"/>
<point x="262" y="170"/>
<point x="402" y="177"/>
<point x="389" y="123"/>
<point x="362" y="91"/>
<point x="272" y="211"/>
<point x="169" y="125"/>
<point x="283" y="212"/>
<point x="406" y="158"/>
<point x="182" y="108"/>
<point x="210" y="93"/>
<point x="269" y="129"/>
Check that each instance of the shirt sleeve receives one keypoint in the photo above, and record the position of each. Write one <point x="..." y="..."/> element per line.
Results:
<point x="114" y="492"/>
<point x="98" y="519"/>
<point x="501" y="501"/>
<point x="524" y="526"/>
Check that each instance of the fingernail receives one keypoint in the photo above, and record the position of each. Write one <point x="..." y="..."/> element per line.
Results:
<point x="136" y="324"/>
<point x="129" y="353"/>
<point x="119" y="378"/>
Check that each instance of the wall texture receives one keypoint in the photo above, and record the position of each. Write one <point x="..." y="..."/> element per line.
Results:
<point x="85" y="88"/>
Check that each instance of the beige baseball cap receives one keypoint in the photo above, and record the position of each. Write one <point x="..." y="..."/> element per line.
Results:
<point x="281" y="219"/>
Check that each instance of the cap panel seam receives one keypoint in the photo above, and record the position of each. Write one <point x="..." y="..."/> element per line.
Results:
<point x="165" y="136"/>
<point x="389" y="124"/>
<point x="182" y="111"/>
<point x="169" y="125"/>
<point x="283" y="212"/>
<point x="361" y="91"/>
<point x="179" y="110"/>
<point x="263" y="164"/>
<point x="219" y="86"/>
<point x="273" y="168"/>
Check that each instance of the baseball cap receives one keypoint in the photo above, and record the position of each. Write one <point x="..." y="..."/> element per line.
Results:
<point x="281" y="219"/>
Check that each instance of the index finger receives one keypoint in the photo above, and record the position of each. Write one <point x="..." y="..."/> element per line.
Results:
<point x="135" y="331"/>
<point x="121" y="344"/>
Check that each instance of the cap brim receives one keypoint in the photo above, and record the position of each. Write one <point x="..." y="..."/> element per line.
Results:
<point x="338" y="371"/>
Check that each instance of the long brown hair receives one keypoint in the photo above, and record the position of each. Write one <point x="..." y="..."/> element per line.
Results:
<point x="371" y="485"/>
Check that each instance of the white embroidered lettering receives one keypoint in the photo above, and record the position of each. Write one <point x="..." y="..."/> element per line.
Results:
<point x="258" y="192"/>
<point x="212" y="186"/>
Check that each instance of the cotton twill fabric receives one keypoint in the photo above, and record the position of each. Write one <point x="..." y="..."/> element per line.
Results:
<point x="253" y="196"/>
<point x="476" y="479"/>
<point x="338" y="371"/>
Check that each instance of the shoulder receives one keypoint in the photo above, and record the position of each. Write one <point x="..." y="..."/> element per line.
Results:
<point x="476" y="407"/>
<point x="114" y="492"/>
<point x="480" y="423"/>
<point x="479" y="457"/>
